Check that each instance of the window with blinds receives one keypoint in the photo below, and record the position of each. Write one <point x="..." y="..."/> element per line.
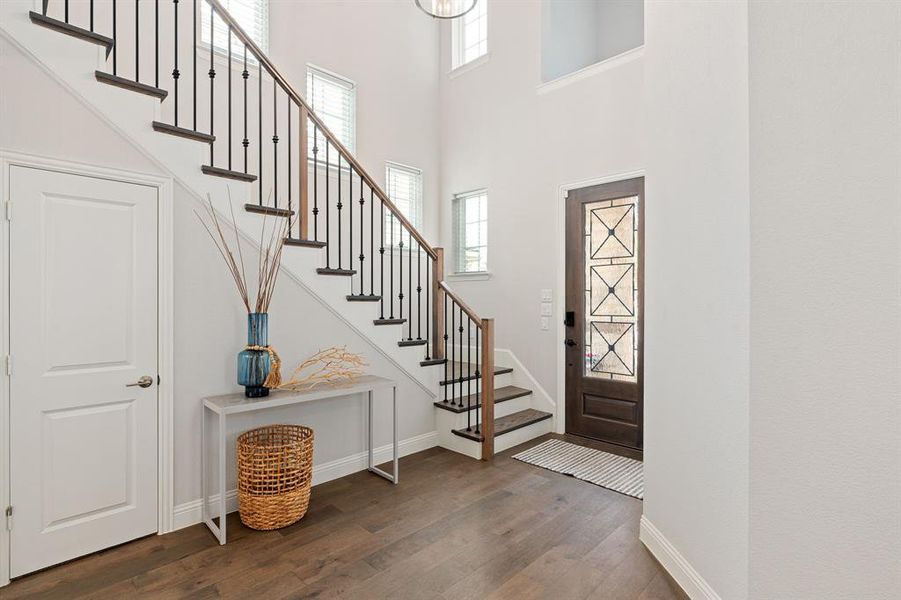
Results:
<point x="403" y="185"/>
<point x="334" y="99"/>
<point x="251" y="15"/>
<point x="470" y="227"/>
<point x="469" y="35"/>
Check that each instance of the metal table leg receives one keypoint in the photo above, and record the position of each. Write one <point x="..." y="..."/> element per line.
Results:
<point x="393" y="478"/>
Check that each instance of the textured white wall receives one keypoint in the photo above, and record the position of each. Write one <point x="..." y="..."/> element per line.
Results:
<point x="498" y="132"/>
<point x="697" y="296"/>
<point x="37" y="116"/>
<point x="825" y="444"/>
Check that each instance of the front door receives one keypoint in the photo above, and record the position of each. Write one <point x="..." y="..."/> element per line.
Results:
<point x="604" y="304"/>
<point x="83" y="331"/>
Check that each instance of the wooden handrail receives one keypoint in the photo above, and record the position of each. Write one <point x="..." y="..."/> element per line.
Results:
<point x="466" y="308"/>
<point x="238" y="31"/>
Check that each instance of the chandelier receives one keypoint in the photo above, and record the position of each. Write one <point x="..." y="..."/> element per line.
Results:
<point x="446" y="9"/>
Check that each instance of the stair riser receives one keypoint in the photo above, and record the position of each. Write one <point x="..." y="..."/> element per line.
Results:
<point x="473" y="449"/>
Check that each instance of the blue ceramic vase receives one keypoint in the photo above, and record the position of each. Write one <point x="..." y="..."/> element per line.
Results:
<point x="253" y="365"/>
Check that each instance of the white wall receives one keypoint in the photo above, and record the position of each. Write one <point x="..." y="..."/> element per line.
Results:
<point x="697" y="294"/>
<point x="499" y="132"/>
<point x="825" y="429"/>
<point x="37" y="116"/>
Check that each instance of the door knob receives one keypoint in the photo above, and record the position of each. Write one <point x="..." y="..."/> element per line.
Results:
<point x="570" y="342"/>
<point x="145" y="382"/>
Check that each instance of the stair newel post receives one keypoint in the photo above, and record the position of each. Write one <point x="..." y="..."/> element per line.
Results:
<point x="303" y="199"/>
<point x="487" y="369"/>
<point x="438" y="341"/>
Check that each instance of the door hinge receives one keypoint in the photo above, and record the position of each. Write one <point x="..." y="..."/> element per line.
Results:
<point x="9" y="210"/>
<point x="9" y="364"/>
<point x="9" y="518"/>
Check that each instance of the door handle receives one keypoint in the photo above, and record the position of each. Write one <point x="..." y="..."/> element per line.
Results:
<point x="570" y="342"/>
<point x="145" y="382"/>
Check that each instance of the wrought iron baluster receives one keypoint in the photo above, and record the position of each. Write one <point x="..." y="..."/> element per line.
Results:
<point x="454" y="366"/>
<point x="339" y="206"/>
<point x="137" y="37"/>
<point x="418" y="291"/>
<point x="194" y="60"/>
<point x="478" y="378"/>
<point x="66" y="5"/>
<point x="328" y="247"/>
<point x="156" y="42"/>
<point x="274" y="143"/>
<point x="391" y="258"/>
<point x="469" y="381"/>
<point x="400" y="274"/>
<point x="428" y="312"/>
<point x="115" y="30"/>
<point x="371" y="242"/>
<point x="461" y="356"/>
<point x="382" y="263"/>
<point x="350" y="211"/>
<point x="316" y="183"/>
<point x="410" y="287"/>
<point x="362" y="236"/>
<point x="245" y="75"/>
<point x="175" y="72"/>
<point x="260" y="128"/>
<point x="446" y="363"/>
<point x="290" y="222"/>
<point x="90" y="9"/>
<point x="212" y="74"/>
<point x="229" y="97"/>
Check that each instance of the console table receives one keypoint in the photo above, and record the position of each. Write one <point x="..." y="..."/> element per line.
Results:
<point x="232" y="404"/>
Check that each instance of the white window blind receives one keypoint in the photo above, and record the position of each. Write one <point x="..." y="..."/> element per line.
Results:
<point x="469" y="35"/>
<point x="334" y="100"/>
<point x="404" y="187"/>
<point x="251" y="15"/>
<point x="470" y="221"/>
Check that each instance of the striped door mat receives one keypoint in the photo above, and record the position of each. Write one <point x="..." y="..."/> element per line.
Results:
<point x="617" y="473"/>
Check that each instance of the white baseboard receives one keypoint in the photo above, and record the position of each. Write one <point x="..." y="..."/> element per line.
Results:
<point x="188" y="513"/>
<point x="675" y="564"/>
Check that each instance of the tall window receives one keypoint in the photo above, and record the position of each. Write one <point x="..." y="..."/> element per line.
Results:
<point x="334" y="99"/>
<point x="251" y="15"/>
<point x="404" y="186"/>
<point x="470" y="220"/>
<point x="469" y="35"/>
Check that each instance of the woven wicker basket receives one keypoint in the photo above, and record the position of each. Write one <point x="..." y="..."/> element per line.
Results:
<point x="275" y="472"/>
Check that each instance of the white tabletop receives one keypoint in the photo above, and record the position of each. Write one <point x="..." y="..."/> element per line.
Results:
<point x="239" y="403"/>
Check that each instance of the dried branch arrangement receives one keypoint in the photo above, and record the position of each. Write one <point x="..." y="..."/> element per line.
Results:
<point x="271" y="244"/>
<point x="331" y="366"/>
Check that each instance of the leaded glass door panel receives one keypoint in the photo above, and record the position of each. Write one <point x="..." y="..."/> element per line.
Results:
<point x="604" y="293"/>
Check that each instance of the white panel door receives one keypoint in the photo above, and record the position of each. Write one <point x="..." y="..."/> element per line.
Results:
<point x="83" y="325"/>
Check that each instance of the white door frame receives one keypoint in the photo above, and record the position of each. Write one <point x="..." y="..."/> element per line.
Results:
<point x="560" y="300"/>
<point x="165" y="323"/>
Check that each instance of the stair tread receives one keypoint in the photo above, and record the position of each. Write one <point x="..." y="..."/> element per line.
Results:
<point x="219" y="172"/>
<point x="460" y="368"/>
<point x="432" y="361"/>
<point x="501" y="394"/>
<point x="183" y="132"/>
<point x="304" y="243"/>
<point x="128" y="84"/>
<point x="508" y="423"/>
<point x="404" y="343"/>
<point x="330" y="271"/>
<point x="73" y="30"/>
<point x="363" y="298"/>
<point x="389" y="321"/>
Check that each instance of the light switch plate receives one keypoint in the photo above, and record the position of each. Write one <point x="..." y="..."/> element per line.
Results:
<point x="546" y="296"/>
<point x="547" y="309"/>
<point x="545" y="324"/>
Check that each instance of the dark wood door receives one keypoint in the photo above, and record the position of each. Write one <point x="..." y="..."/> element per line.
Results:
<point x="604" y="304"/>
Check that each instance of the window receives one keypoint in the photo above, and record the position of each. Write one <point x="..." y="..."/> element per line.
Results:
<point x="334" y="99"/>
<point x="404" y="186"/>
<point x="471" y="231"/>
<point x="469" y="35"/>
<point x="251" y="15"/>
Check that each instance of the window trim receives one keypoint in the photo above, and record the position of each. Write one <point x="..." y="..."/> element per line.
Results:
<point x="455" y="224"/>
<point x="222" y="51"/>
<point x="456" y="54"/>
<point x="409" y="168"/>
<point x="352" y="146"/>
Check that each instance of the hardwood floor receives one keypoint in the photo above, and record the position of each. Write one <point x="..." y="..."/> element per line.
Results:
<point x="453" y="529"/>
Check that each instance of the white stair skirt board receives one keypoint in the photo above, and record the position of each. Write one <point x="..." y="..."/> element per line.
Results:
<point x="188" y="513"/>
<point x="617" y="473"/>
<point x="691" y="582"/>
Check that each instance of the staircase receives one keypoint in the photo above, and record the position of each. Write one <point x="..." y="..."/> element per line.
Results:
<point x="228" y="101"/>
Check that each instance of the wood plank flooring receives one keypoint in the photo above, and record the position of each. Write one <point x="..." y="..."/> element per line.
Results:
<point x="454" y="529"/>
